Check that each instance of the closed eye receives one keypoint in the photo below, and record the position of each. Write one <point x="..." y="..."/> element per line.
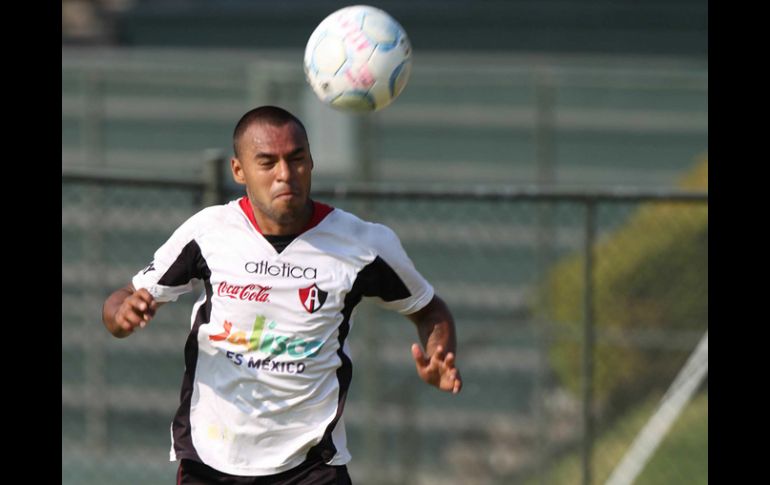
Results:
<point x="294" y="153"/>
<point x="268" y="159"/>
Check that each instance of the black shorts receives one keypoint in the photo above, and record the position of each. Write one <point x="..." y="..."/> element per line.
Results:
<point x="308" y="473"/>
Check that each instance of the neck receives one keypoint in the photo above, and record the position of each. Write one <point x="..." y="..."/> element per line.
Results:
<point x="272" y="227"/>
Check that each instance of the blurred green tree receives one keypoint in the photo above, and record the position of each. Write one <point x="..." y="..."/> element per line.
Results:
<point x="650" y="274"/>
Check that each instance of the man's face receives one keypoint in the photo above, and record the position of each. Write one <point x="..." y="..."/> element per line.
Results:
<point x="274" y="163"/>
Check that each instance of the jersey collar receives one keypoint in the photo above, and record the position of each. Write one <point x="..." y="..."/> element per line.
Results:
<point x="320" y="211"/>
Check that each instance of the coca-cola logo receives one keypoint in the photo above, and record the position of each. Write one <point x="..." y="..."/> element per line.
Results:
<point x="251" y="292"/>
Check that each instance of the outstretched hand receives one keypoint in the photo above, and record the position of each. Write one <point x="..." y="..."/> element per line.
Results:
<point x="439" y="370"/>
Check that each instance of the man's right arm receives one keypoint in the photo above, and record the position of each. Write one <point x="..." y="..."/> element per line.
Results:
<point x="126" y="309"/>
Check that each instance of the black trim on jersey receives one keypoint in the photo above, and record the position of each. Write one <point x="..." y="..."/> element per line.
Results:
<point x="280" y="242"/>
<point x="189" y="264"/>
<point x="380" y="280"/>
<point x="325" y="450"/>
<point x="193" y="472"/>
<point x="375" y="279"/>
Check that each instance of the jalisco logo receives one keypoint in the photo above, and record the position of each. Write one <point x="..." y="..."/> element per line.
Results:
<point x="285" y="270"/>
<point x="252" y="292"/>
<point x="269" y="342"/>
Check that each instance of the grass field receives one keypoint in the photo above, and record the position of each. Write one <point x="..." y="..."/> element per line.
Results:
<point x="682" y="457"/>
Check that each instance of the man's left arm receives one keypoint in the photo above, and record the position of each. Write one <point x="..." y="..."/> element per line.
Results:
<point x="436" y="329"/>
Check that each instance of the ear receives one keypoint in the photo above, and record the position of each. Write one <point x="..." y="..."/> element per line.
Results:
<point x="237" y="169"/>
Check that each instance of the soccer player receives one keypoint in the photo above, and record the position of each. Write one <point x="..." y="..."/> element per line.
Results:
<point x="267" y="366"/>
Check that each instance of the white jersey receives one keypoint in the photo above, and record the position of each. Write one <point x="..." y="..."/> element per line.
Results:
<point x="267" y="365"/>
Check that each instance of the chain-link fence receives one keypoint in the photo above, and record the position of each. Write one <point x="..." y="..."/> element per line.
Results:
<point x="575" y="312"/>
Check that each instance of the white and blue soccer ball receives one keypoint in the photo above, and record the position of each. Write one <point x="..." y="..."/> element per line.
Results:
<point x="358" y="59"/>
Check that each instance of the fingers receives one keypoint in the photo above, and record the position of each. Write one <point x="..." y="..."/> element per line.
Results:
<point x="457" y="384"/>
<point x="437" y="359"/>
<point x="136" y="310"/>
<point x="450" y="360"/>
<point x="443" y="362"/>
<point x="451" y="380"/>
<point x="144" y="300"/>
<point x="439" y="370"/>
<point x="146" y="305"/>
<point x="419" y="358"/>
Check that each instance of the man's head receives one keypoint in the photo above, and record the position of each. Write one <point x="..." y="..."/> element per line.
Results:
<point x="272" y="158"/>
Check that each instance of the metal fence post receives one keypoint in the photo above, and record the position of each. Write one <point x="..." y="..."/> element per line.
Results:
<point x="92" y="128"/>
<point x="588" y="341"/>
<point x="545" y="121"/>
<point x="370" y="332"/>
<point x="544" y="92"/>
<point x="213" y="178"/>
<point x="96" y="403"/>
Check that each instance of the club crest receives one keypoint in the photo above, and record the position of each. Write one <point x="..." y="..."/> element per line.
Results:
<point x="312" y="298"/>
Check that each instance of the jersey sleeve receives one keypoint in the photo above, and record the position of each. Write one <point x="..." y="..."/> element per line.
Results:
<point x="392" y="277"/>
<point x="176" y="265"/>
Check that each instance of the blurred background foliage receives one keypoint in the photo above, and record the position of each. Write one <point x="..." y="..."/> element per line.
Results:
<point x="652" y="274"/>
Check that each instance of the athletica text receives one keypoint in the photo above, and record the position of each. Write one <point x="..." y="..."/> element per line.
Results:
<point x="284" y="270"/>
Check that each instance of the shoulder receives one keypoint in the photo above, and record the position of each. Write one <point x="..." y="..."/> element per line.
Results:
<point x="209" y="219"/>
<point x="217" y="214"/>
<point x="360" y="232"/>
<point x="341" y="220"/>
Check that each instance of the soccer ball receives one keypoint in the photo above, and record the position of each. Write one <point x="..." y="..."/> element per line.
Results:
<point x="358" y="59"/>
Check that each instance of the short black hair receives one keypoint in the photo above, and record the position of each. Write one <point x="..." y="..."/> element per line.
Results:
<point x="272" y="115"/>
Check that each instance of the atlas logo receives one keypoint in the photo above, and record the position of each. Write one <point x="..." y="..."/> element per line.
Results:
<point x="312" y="298"/>
<point x="268" y="342"/>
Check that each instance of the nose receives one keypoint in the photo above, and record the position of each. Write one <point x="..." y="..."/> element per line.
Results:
<point x="283" y="170"/>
